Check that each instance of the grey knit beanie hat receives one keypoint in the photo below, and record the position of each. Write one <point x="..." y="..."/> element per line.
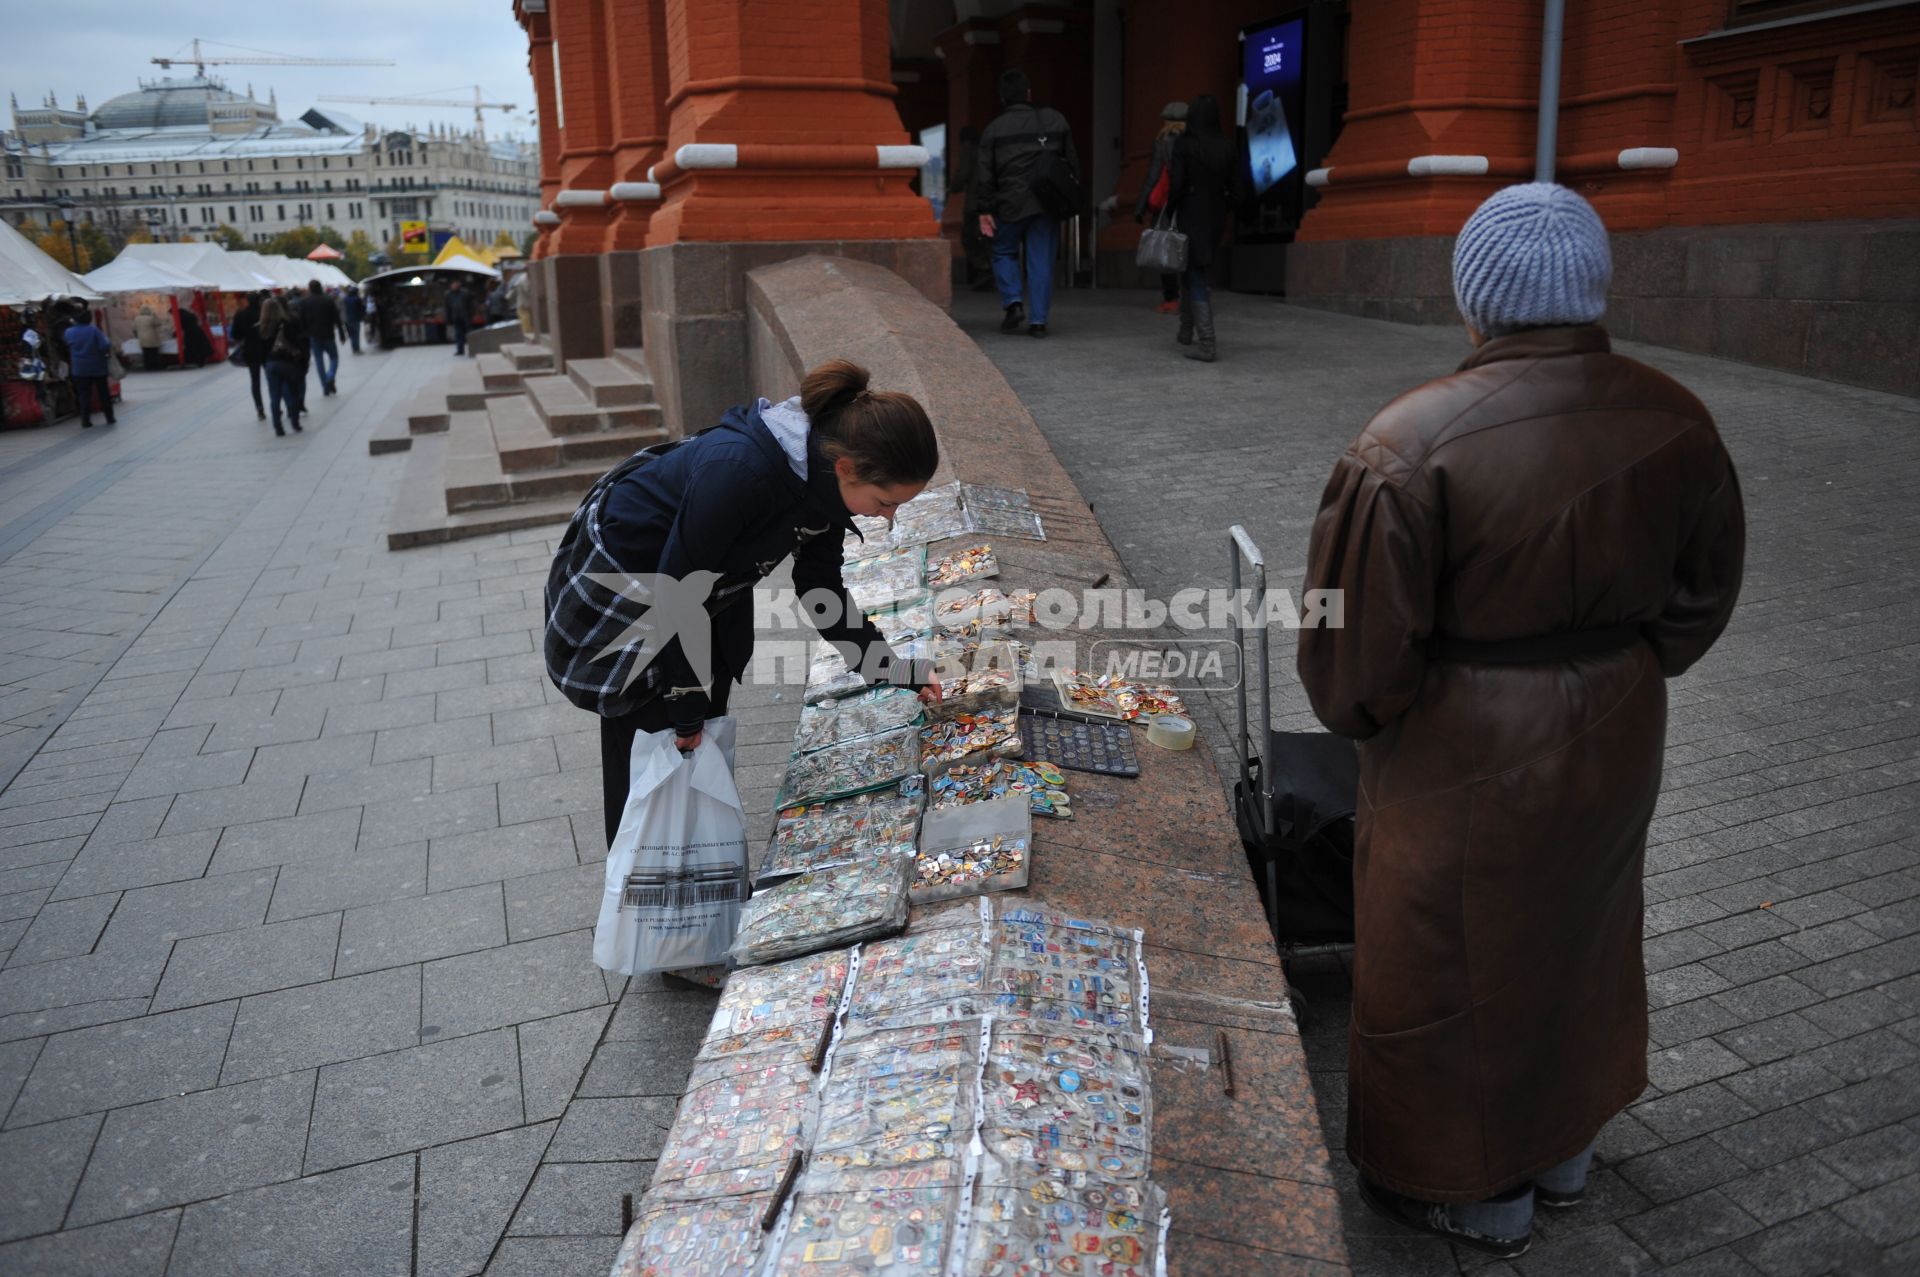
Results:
<point x="1532" y="256"/>
<point x="1175" y="111"/>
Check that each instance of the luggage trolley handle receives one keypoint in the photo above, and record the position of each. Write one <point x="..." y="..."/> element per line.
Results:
<point x="1255" y="766"/>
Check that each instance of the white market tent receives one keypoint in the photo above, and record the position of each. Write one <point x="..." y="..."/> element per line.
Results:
<point x="28" y="275"/>
<point x="137" y="275"/>
<point x="203" y="261"/>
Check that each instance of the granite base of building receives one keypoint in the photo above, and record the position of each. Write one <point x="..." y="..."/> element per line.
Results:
<point x="1837" y="300"/>
<point x="694" y="312"/>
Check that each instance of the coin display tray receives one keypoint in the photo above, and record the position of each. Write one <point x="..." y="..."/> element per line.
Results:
<point x="1103" y="748"/>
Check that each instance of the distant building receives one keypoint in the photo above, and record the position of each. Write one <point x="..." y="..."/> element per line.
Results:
<point x="182" y="156"/>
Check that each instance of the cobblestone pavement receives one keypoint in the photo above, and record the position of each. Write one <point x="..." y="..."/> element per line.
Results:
<point x="1781" y="1132"/>
<point x="299" y="859"/>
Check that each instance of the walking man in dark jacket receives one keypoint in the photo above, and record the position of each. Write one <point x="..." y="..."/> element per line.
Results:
<point x="459" y="316"/>
<point x="1011" y="214"/>
<point x="253" y="351"/>
<point x="353" y="308"/>
<point x="322" y="320"/>
<point x="87" y="349"/>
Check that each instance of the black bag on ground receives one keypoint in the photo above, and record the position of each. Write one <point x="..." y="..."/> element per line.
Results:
<point x="1304" y="868"/>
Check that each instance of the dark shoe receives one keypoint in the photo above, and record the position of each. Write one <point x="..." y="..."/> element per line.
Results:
<point x="1016" y="315"/>
<point x="1433" y="1218"/>
<point x="1036" y="330"/>
<point x="278" y="430"/>
<point x="86" y="425"/>
<point x="1558" y="1201"/>
<point x="296" y="425"/>
<point x="1185" y="335"/>
<point x="113" y="421"/>
<point x="1203" y="332"/>
<point x="261" y="415"/>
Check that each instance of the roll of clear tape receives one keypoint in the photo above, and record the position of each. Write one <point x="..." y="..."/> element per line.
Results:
<point x="1170" y="731"/>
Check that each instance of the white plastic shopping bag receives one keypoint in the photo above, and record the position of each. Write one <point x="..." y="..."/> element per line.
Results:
<point x="677" y="870"/>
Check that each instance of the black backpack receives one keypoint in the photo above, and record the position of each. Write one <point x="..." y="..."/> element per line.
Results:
<point x="1053" y="181"/>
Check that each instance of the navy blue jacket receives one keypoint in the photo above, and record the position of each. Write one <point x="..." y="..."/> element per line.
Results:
<point x="727" y="501"/>
<point x="87" y="349"/>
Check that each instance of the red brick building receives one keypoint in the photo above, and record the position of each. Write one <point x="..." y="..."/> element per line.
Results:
<point x="1757" y="160"/>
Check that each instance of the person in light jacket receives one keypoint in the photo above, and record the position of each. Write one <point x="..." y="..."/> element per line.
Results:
<point x="1528" y="550"/>
<point x="146" y="331"/>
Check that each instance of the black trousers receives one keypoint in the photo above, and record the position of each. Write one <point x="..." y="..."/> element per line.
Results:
<point x="85" y="388"/>
<point x="253" y="375"/>
<point x="732" y="653"/>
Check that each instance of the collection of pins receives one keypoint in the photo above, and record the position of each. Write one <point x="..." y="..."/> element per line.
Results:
<point x="1109" y="696"/>
<point x="974" y="562"/>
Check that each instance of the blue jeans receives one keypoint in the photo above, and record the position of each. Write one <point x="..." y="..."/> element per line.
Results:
<point x="283" y="387"/>
<point x="326" y="359"/>
<point x="1039" y="233"/>
<point x="1511" y="1214"/>
<point x="459" y="332"/>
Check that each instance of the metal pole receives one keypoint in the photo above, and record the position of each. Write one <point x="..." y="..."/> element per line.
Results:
<point x="1544" y="140"/>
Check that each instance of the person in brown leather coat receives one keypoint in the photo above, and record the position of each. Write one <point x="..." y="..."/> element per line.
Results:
<point x="1528" y="549"/>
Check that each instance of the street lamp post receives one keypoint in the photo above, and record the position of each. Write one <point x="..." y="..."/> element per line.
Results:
<point x="65" y="205"/>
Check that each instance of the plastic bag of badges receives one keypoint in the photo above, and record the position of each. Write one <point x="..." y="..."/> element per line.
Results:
<point x="840" y="831"/>
<point x="866" y="713"/>
<point x="824" y="909"/>
<point x="853" y="767"/>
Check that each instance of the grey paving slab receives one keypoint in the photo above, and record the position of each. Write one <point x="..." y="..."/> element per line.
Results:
<point x="168" y="774"/>
<point x="429" y="816"/>
<point x="613" y="1130"/>
<point x="198" y="907"/>
<point x="125" y="1062"/>
<point x="420" y="929"/>
<point x="432" y="1094"/>
<point x="553" y="1257"/>
<point x="554" y="1054"/>
<point x="43" y="1167"/>
<point x="512" y="984"/>
<point x="16" y="1061"/>
<point x="64" y="929"/>
<point x="321" y="884"/>
<point x="111" y="865"/>
<point x="235" y="963"/>
<point x="94" y="977"/>
<point x="325" y="1023"/>
<point x="32" y="1024"/>
<point x="363" y="786"/>
<point x="576" y="1198"/>
<point x="137" y="1247"/>
<point x="511" y="851"/>
<point x="555" y="901"/>
<point x="468" y="1193"/>
<point x="195" y="1146"/>
<point x="292" y="838"/>
<point x="239" y="804"/>
<point x="358" y="1220"/>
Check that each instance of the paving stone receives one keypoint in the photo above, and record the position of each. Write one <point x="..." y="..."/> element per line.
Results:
<point x="1887" y="1214"/>
<point x="195" y="1146"/>
<point x="236" y="963"/>
<point x="511" y="851"/>
<point x="323" y="884"/>
<point x="289" y="839"/>
<point x="517" y="762"/>
<point x="512" y="984"/>
<point x="430" y="816"/>
<point x="554" y="1054"/>
<point x="551" y="1256"/>
<point x="179" y="775"/>
<point x="1775" y="1039"/>
<point x="32" y="1024"/>
<point x="1789" y="1190"/>
<point x="176" y="911"/>
<point x="541" y="796"/>
<point x="63" y="929"/>
<point x="137" y="1247"/>
<point x="1693" y="1111"/>
<point x="1811" y="1245"/>
<point x="106" y="864"/>
<point x="43" y="1166"/>
<point x="1867" y="1055"/>
<point x="1767" y="998"/>
<point x="1874" y="1158"/>
<point x="423" y="739"/>
<point x="432" y="1094"/>
<point x="1876" y="1102"/>
<point x="556" y="901"/>
<point x="324" y="1023"/>
<point x="575" y="1198"/>
<point x="1681" y="1170"/>
<point x="358" y="1220"/>
<point x="468" y="1192"/>
<point x="613" y="1130"/>
<point x="402" y="932"/>
<point x="1676" y="1068"/>
<point x="16" y="1061"/>
<point x="324" y="756"/>
<point x="1684" y="1228"/>
<point x="1855" y="1013"/>
<point x="1774" y="1137"/>
<point x="365" y="786"/>
<point x="235" y="805"/>
<point x="125" y="1062"/>
<point x="390" y="711"/>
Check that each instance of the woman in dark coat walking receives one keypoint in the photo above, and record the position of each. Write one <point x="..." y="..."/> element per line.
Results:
<point x="1528" y="549"/>
<point x="1200" y="198"/>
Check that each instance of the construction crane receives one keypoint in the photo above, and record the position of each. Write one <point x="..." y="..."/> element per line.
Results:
<point x="257" y="58"/>
<point x="479" y="106"/>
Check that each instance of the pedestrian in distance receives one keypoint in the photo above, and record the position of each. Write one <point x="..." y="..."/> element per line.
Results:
<point x="1200" y="202"/>
<point x="459" y="316"/>
<point x="87" y="351"/>
<point x="1153" y="195"/>
<point x="1528" y="549"/>
<point x="320" y="315"/>
<point x="245" y="330"/>
<point x="771" y="480"/>
<point x="1016" y="188"/>
<point x="146" y="331"/>
<point x="195" y="346"/>
<point x="353" y="310"/>
<point x="285" y="342"/>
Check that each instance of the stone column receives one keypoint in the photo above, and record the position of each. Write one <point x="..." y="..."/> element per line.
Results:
<point x="782" y="140"/>
<point x="636" y="53"/>
<point x="533" y="19"/>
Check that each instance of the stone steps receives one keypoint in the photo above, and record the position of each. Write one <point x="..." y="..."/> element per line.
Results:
<point x="466" y="391"/>
<point x="528" y="356"/>
<point x="497" y="372"/>
<point x="562" y="405"/>
<point x="419" y="518"/>
<point x="611" y="383"/>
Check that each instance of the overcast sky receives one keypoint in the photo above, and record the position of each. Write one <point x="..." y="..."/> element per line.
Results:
<point x="440" y="48"/>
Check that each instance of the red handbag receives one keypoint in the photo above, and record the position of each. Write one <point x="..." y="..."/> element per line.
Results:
<point x="1157" y="197"/>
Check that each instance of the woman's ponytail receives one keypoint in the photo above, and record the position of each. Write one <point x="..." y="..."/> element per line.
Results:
<point x="884" y="433"/>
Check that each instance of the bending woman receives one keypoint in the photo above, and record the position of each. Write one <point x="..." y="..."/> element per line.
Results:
<point x="769" y="481"/>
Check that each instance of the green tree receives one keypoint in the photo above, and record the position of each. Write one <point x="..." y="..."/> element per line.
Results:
<point x="54" y="243"/>
<point x="96" y="246"/>
<point x="360" y="249"/>
<point x="226" y="237"/>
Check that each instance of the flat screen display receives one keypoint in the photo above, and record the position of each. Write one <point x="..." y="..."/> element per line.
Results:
<point x="1273" y="74"/>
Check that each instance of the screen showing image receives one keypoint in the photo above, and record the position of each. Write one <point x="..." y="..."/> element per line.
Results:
<point x="1273" y="79"/>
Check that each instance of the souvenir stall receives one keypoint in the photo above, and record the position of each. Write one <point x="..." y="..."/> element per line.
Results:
<point x="410" y="303"/>
<point x="913" y="1071"/>
<point x="229" y="283"/>
<point x="33" y="385"/>
<point x="132" y="284"/>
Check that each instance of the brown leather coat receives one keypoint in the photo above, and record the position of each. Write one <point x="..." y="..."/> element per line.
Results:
<point x="1549" y="486"/>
